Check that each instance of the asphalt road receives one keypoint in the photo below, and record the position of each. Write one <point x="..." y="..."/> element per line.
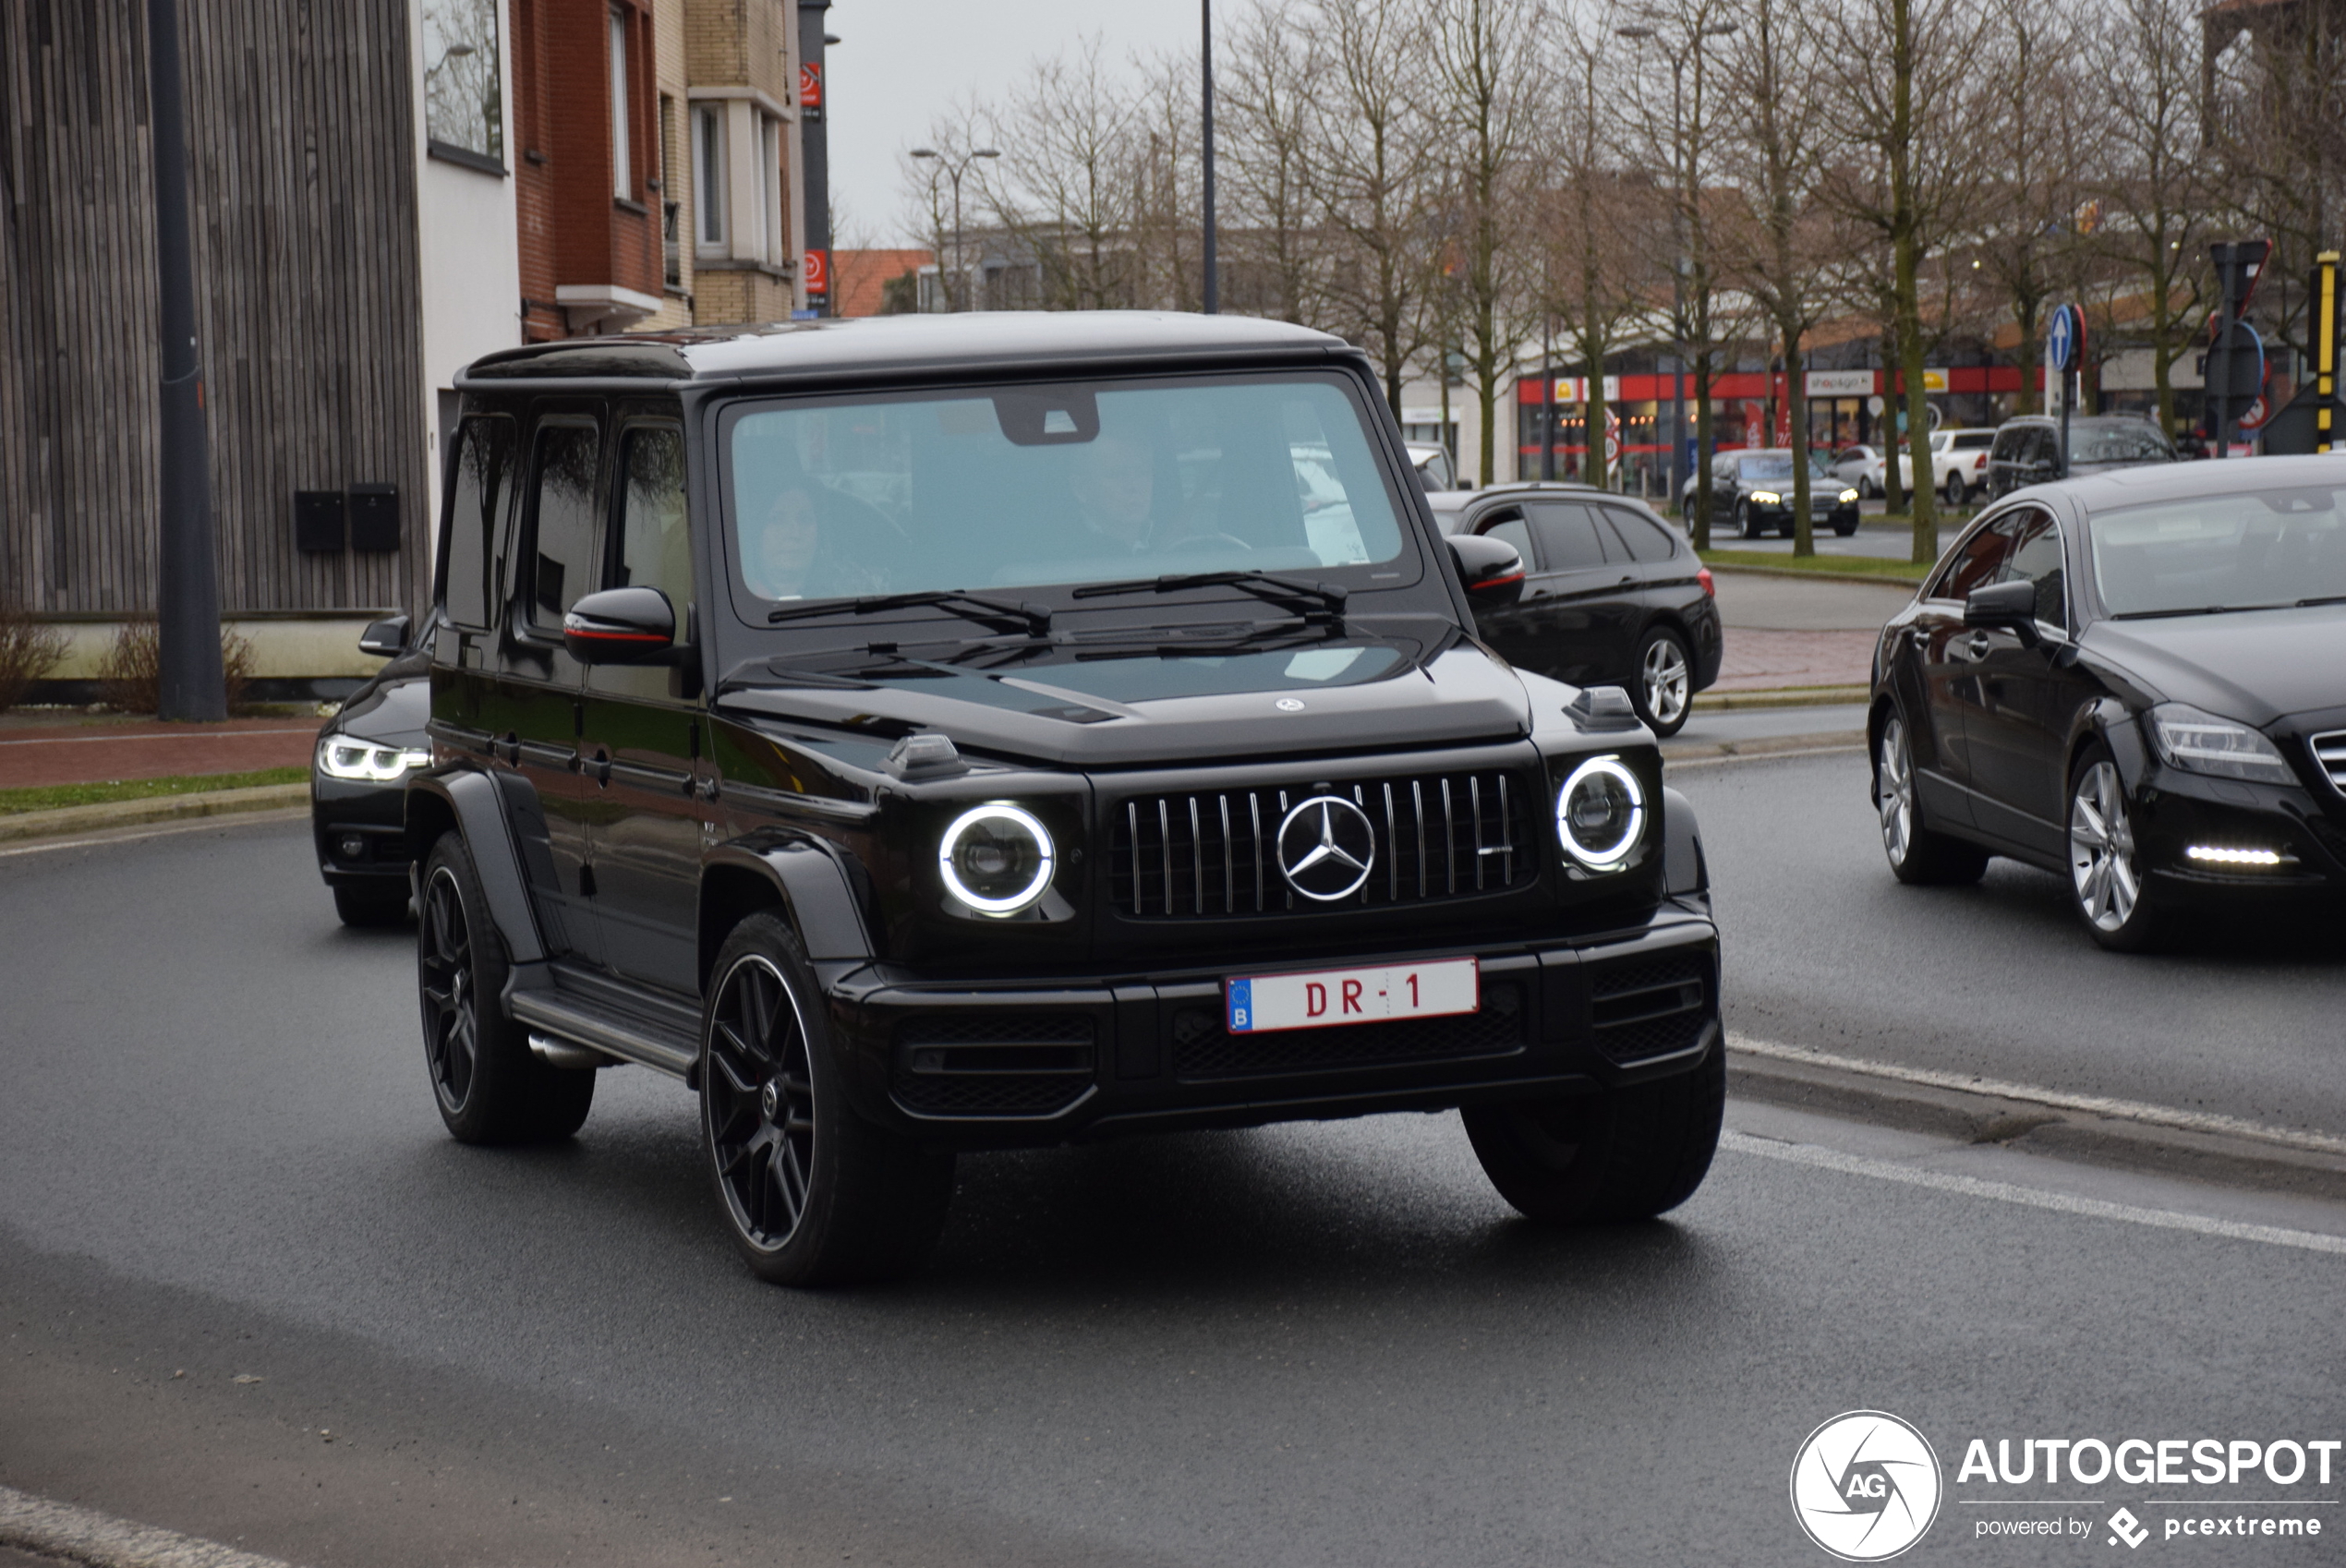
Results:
<point x="1825" y="949"/>
<point x="249" y="1290"/>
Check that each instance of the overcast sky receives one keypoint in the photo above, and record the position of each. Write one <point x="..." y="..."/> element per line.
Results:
<point x="899" y="61"/>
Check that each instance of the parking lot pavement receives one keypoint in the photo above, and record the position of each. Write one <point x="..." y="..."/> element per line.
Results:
<point x="1792" y="632"/>
<point x="36" y="754"/>
<point x="1707" y="729"/>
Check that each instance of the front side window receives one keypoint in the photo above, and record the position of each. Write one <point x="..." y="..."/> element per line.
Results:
<point x="2118" y="443"/>
<point x="2261" y="550"/>
<point x="464" y="98"/>
<point x="1974" y="562"/>
<point x="476" y="504"/>
<point x="1515" y="531"/>
<point x="563" y="564"/>
<point x="2036" y="558"/>
<point x="1056" y="484"/>
<point x="655" y="541"/>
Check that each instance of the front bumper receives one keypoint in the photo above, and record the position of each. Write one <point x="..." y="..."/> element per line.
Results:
<point x="2175" y="812"/>
<point x="973" y="1063"/>
<point x="356" y="814"/>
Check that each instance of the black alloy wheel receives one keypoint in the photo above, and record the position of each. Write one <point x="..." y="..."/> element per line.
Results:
<point x="1609" y="1156"/>
<point x="490" y="1088"/>
<point x="2107" y="887"/>
<point x="1746" y="525"/>
<point x="1917" y="855"/>
<point x="1664" y="690"/>
<point x="812" y="1194"/>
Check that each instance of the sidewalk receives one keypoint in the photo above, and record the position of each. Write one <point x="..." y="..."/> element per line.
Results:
<point x="33" y="754"/>
<point x="1783" y="631"/>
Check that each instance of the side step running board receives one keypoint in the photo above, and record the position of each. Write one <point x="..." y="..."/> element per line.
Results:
<point x="558" y="1015"/>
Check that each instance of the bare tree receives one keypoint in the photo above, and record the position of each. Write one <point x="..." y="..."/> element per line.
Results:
<point x="1273" y="261"/>
<point x="943" y="194"/>
<point x="1912" y="176"/>
<point x="1487" y="71"/>
<point x="1070" y="188"/>
<point x="1370" y="169"/>
<point x="1779" y="241"/>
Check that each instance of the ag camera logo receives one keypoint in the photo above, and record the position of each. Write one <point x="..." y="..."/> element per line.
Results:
<point x="1865" y="1485"/>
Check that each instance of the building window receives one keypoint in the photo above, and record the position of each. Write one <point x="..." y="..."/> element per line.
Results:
<point x="670" y="204"/>
<point x="463" y="103"/>
<point x="621" y="169"/>
<point x="708" y="175"/>
<point x="769" y="182"/>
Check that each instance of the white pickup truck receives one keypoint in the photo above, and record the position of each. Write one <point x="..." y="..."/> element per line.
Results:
<point x="1958" y="464"/>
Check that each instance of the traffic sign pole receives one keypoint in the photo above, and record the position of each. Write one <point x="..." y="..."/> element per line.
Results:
<point x="2325" y="346"/>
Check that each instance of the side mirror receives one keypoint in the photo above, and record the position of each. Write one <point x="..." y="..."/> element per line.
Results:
<point x="620" y="626"/>
<point x="2006" y="607"/>
<point x="386" y="638"/>
<point x="1491" y="569"/>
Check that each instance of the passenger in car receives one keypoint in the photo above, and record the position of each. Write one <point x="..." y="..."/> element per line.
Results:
<point x="805" y="544"/>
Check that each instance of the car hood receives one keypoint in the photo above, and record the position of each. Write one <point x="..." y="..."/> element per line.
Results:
<point x="392" y="708"/>
<point x="1121" y="707"/>
<point x="2256" y="666"/>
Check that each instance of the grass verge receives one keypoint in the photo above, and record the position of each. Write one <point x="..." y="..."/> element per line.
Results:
<point x="1837" y="565"/>
<point x="55" y="797"/>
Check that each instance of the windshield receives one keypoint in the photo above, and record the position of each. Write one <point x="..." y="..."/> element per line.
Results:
<point x="1778" y="465"/>
<point x="1054" y="484"/>
<point x="2260" y="550"/>
<point x="2118" y="443"/>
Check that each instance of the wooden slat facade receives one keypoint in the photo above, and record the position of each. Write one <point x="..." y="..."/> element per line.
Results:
<point x="307" y="294"/>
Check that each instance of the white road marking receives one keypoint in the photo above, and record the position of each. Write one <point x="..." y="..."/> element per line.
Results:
<point x="35" y="1523"/>
<point x="2027" y="1197"/>
<point x="2092" y="1104"/>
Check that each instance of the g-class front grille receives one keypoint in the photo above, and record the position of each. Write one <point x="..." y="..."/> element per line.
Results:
<point x="1205" y="1050"/>
<point x="1437" y="835"/>
<point x="993" y="1065"/>
<point x="1648" y="1006"/>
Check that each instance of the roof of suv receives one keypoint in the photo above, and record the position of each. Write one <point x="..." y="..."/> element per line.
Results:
<point x="866" y="345"/>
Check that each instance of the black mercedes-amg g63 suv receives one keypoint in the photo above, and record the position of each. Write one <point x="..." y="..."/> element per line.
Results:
<point x="943" y="733"/>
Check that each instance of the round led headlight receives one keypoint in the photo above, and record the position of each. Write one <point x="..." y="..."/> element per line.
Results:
<point x="1601" y="814"/>
<point x="997" y="858"/>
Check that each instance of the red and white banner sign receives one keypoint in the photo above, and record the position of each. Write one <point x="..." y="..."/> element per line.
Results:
<point x="810" y="86"/>
<point x="818" y="272"/>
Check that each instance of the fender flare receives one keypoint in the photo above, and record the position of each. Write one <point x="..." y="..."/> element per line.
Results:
<point x="1684" y="869"/>
<point x="471" y="803"/>
<point x="2112" y="723"/>
<point x="812" y="878"/>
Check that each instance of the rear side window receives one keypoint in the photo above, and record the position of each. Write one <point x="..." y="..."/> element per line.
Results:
<point x="1640" y="537"/>
<point x="1975" y="564"/>
<point x="1516" y="532"/>
<point x="563" y="564"/>
<point x="654" y="546"/>
<point x="1568" y="536"/>
<point x="477" y="490"/>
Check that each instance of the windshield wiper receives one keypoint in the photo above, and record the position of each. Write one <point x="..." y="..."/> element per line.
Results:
<point x="2326" y="598"/>
<point x="1311" y="601"/>
<point x="1034" y="620"/>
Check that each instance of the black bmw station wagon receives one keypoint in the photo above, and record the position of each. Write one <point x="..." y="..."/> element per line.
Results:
<point x="941" y="733"/>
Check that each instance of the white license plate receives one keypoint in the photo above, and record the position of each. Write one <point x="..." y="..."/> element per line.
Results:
<point x="1320" y="999"/>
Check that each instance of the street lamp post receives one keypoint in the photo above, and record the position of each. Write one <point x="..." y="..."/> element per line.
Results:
<point x="1206" y="47"/>
<point x="1682" y="177"/>
<point x="954" y="169"/>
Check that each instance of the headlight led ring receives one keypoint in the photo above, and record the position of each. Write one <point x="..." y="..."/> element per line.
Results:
<point x="1601" y="814"/>
<point x="996" y="859"/>
<point x="347" y="756"/>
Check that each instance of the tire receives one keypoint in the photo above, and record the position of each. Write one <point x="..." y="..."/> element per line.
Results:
<point x="1843" y="530"/>
<point x="2106" y="887"/>
<point x="1866" y="489"/>
<point x="1952" y="489"/>
<point x="365" y="905"/>
<point x="1664" y="688"/>
<point x="1918" y="856"/>
<point x="490" y="1086"/>
<point x="812" y="1194"/>
<point x="1616" y="1155"/>
<point x="1746" y="527"/>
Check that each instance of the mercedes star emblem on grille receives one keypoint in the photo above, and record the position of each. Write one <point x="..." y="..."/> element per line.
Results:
<point x="1289" y="704"/>
<point x="1326" y="848"/>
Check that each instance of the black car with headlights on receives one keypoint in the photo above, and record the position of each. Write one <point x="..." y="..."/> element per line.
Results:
<point x="2135" y="680"/>
<point x="939" y="733"/>
<point x="1753" y="489"/>
<point x="358" y="779"/>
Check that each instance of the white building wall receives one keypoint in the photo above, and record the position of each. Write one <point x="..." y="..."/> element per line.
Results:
<point x="469" y="246"/>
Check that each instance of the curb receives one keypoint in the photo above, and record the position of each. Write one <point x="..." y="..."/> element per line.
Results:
<point x="1693" y="754"/>
<point x="2082" y="1129"/>
<point x="1783" y="696"/>
<point x="1875" y="579"/>
<point x="99" y="1540"/>
<point x="67" y="820"/>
